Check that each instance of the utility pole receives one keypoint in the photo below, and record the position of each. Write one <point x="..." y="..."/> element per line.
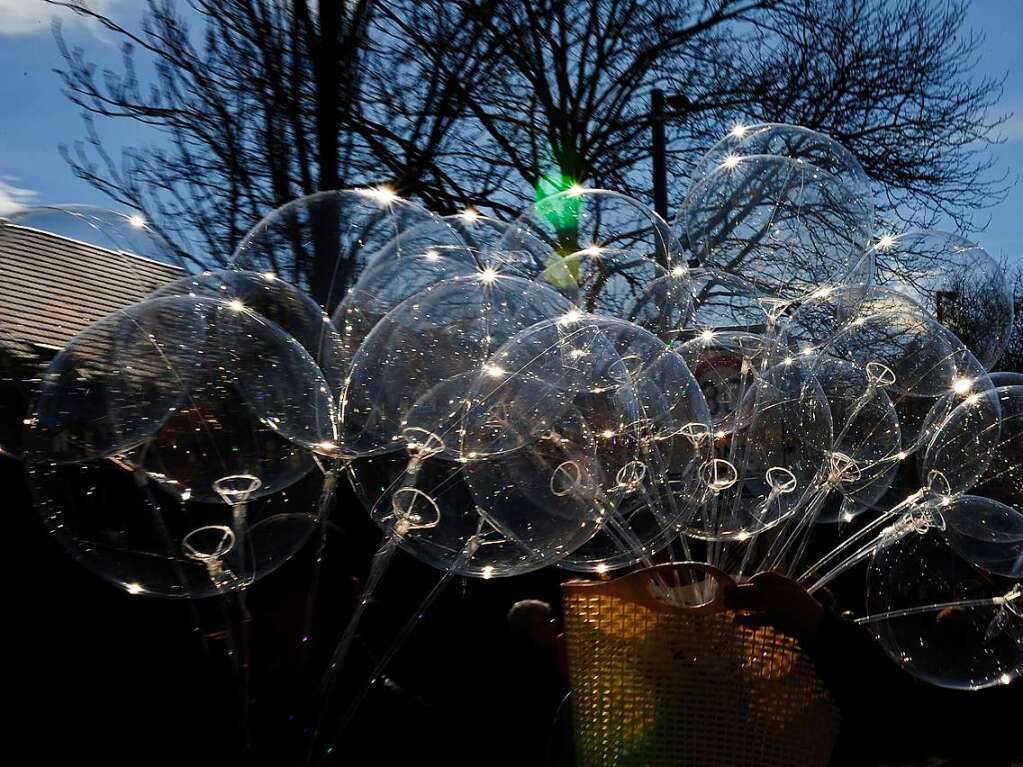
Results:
<point x="676" y="103"/>
<point x="657" y="145"/>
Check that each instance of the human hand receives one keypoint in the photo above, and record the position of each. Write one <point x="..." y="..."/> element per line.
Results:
<point x="771" y="599"/>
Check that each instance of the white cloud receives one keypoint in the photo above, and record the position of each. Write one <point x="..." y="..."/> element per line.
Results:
<point x="13" y="198"/>
<point x="27" y="17"/>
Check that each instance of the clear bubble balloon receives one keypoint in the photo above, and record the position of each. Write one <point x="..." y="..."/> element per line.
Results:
<point x="581" y="219"/>
<point x="957" y="282"/>
<point x="618" y="283"/>
<point x="189" y="390"/>
<point x="126" y="259"/>
<point x="322" y="242"/>
<point x="385" y="284"/>
<point x="777" y="451"/>
<point x="964" y="442"/>
<point x="647" y="413"/>
<point x="129" y="234"/>
<point x="920" y="364"/>
<point x="785" y="225"/>
<point x="726" y="365"/>
<point x="865" y="454"/>
<point x="488" y="510"/>
<point x="941" y="619"/>
<point x="1002" y="478"/>
<point x="986" y="533"/>
<point x="116" y="523"/>
<point x="452" y="327"/>
<point x="283" y="304"/>
<point x="794" y="142"/>
<point x="481" y="234"/>
<point x="724" y="301"/>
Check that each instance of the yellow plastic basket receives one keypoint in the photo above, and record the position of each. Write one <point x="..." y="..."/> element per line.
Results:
<point x="657" y="684"/>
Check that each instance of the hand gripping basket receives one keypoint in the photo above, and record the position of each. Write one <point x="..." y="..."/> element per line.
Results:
<point x="657" y="684"/>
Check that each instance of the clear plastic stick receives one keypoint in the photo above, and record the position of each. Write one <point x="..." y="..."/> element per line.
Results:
<point x="325" y="503"/>
<point x="803" y="536"/>
<point x="402" y="636"/>
<point x="886" y="537"/>
<point x="378" y="568"/>
<point x="886" y="516"/>
<point x="938" y="607"/>
<point x="172" y="554"/>
<point x="848" y="563"/>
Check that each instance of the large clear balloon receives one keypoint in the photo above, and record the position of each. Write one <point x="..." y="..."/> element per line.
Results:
<point x="193" y="409"/>
<point x="322" y="242"/>
<point x="283" y="304"/>
<point x="1002" y="476"/>
<point x="957" y="282"/>
<point x="581" y="219"/>
<point x="648" y="415"/>
<point x="726" y="364"/>
<point x="724" y="301"/>
<point x="867" y="436"/>
<point x="777" y="451"/>
<point x="794" y="142"/>
<point x="110" y="260"/>
<point x="127" y="234"/>
<point x="484" y="508"/>
<point x="452" y="327"/>
<point x="188" y="390"/>
<point x="382" y="286"/>
<point x="786" y="226"/>
<point x="116" y="523"/>
<point x="926" y="370"/>
<point x="986" y="533"/>
<point x="940" y="618"/>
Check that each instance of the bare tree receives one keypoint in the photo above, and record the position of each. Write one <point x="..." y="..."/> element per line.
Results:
<point x="268" y="101"/>
<point x="492" y="103"/>
<point x="1012" y="358"/>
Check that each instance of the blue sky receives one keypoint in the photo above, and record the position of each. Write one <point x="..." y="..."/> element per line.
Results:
<point x="36" y="117"/>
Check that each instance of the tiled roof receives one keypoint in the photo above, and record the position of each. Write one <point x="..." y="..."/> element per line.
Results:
<point x="52" y="287"/>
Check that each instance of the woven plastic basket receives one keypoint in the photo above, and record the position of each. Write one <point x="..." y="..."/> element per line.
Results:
<point x="657" y="684"/>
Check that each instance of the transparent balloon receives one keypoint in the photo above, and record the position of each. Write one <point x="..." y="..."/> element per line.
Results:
<point x="189" y="390"/>
<point x="497" y="512"/>
<point x="617" y="283"/>
<point x="114" y="521"/>
<point x="777" y="451"/>
<point x="957" y="282"/>
<point x="724" y="301"/>
<point x="283" y="304"/>
<point x="925" y="370"/>
<point x="726" y="365"/>
<point x="648" y="415"/>
<point x="129" y="234"/>
<point x="986" y="533"/>
<point x="386" y="283"/>
<point x="321" y="243"/>
<point x="867" y="438"/>
<point x="786" y="226"/>
<point x="943" y="620"/>
<point x="581" y="219"/>
<point x="794" y="142"/>
<point x="126" y="258"/>
<point x="452" y="327"/>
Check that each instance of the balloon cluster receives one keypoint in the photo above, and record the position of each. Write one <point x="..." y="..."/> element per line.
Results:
<point x="587" y="386"/>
